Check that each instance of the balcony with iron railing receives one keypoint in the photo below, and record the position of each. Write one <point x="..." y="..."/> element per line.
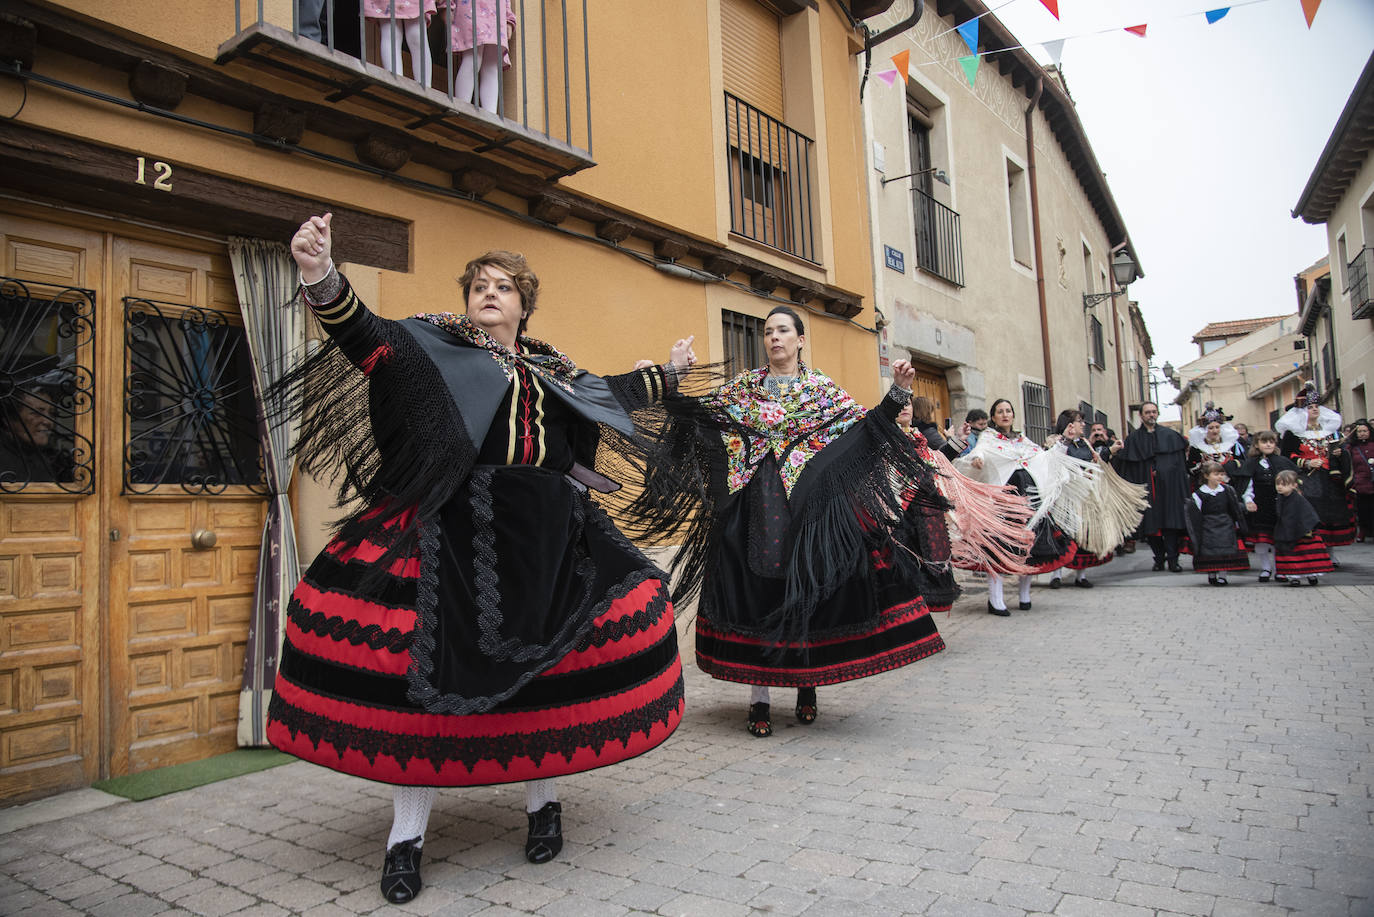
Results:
<point x="534" y="117"/>
<point x="1357" y="275"/>
<point x="771" y="189"/>
<point x="939" y="242"/>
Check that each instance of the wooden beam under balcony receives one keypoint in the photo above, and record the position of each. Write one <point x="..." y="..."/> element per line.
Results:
<point x="307" y="70"/>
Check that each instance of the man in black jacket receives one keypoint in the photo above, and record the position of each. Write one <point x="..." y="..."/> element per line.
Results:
<point x="1158" y="458"/>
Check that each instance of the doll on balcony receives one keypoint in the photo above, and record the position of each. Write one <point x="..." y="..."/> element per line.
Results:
<point x="397" y="18"/>
<point x="479" y="35"/>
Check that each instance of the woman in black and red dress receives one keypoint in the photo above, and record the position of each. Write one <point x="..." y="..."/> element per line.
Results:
<point x="807" y="572"/>
<point x="1309" y="434"/>
<point x="478" y="619"/>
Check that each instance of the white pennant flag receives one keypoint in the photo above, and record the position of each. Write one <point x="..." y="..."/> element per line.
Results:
<point x="1055" y="49"/>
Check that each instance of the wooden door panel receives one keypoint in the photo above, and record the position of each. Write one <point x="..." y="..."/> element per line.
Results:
<point x="179" y="611"/>
<point x="50" y="555"/>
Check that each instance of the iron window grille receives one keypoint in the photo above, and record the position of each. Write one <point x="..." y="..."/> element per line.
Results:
<point x="770" y="180"/>
<point x="1035" y="400"/>
<point x="47" y="387"/>
<point x="1357" y="276"/>
<point x="190" y="416"/>
<point x="743" y="336"/>
<point x="1096" y="347"/>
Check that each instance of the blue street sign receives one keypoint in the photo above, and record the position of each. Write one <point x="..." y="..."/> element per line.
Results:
<point x="895" y="259"/>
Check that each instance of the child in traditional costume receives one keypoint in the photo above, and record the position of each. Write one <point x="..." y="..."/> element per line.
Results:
<point x="1298" y="551"/>
<point x="1216" y="522"/>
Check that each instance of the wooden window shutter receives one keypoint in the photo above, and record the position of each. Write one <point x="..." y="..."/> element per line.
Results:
<point x="752" y="55"/>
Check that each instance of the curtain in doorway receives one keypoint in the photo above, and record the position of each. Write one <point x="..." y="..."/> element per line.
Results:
<point x="274" y="320"/>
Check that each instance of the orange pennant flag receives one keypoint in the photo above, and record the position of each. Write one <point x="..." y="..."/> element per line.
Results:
<point x="1309" y="9"/>
<point x="1140" y="29"/>
<point x="902" y="60"/>
<point x="1052" y="6"/>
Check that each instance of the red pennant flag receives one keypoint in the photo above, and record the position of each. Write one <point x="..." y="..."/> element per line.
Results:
<point x="1053" y="7"/>
<point x="1140" y="29"/>
<point x="1309" y="9"/>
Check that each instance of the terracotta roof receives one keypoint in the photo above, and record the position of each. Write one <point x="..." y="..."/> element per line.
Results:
<point x="1237" y="328"/>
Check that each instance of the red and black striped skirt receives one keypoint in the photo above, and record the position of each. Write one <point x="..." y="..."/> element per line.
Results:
<point x="1308" y="558"/>
<point x="469" y="663"/>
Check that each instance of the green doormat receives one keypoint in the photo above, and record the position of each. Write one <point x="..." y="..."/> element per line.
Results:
<point x="173" y="779"/>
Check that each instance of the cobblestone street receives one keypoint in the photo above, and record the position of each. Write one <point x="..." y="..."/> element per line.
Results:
<point x="1149" y="747"/>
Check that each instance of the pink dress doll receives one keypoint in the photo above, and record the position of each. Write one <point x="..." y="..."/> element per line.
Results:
<point x="479" y="35"/>
<point x="397" y="17"/>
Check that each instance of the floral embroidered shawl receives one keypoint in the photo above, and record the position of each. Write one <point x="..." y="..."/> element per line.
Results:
<point x="792" y="427"/>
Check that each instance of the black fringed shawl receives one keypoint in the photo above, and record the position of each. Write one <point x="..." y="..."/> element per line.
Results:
<point x="844" y="503"/>
<point x="394" y="412"/>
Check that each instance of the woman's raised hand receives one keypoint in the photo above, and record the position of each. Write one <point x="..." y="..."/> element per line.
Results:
<point x="681" y="356"/>
<point x="311" y="247"/>
<point x="903" y="374"/>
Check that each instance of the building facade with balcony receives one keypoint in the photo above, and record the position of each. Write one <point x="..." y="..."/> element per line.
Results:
<point x="1338" y="312"/>
<point x="991" y="221"/>
<point x="670" y="169"/>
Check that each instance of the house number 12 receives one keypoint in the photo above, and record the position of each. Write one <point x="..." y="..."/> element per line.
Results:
<point x="163" y="181"/>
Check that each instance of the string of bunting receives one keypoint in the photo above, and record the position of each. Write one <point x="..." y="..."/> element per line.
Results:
<point x="968" y="31"/>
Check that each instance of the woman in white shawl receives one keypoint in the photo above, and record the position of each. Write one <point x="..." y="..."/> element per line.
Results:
<point x="1069" y="507"/>
<point x="1213" y="439"/>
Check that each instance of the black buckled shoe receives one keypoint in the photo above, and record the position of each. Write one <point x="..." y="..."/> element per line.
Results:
<point x="1082" y="584"/>
<point x="545" y="839"/>
<point x="1000" y="612"/>
<point x="760" y="721"/>
<point x="1024" y="606"/>
<point x="806" y="705"/>
<point x="1265" y="576"/>
<point x="401" y="872"/>
<point x="1055" y="583"/>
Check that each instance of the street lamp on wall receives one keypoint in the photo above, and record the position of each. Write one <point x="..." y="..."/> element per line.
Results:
<point x="1123" y="272"/>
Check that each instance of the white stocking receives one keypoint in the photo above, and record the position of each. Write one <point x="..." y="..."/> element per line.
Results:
<point x="1080" y="576"/>
<point x="412" y="805"/>
<point x="539" y="793"/>
<point x="415" y="39"/>
<point x="1057" y="574"/>
<point x="489" y="77"/>
<point x="1265" y="554"/>
<point x="995" y="592"/>
<point x="1025" y="583"/>
<point x="758" y="694"/>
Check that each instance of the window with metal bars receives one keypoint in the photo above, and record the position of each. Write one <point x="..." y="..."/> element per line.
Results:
<point x="1035" y="402"/>
<point x="1097" y="351"/>
<point x="743" y="335"/>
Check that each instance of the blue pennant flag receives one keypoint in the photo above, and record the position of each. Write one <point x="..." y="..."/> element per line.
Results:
<point x="969" y="32"/>
<point x="1214" y="15"/>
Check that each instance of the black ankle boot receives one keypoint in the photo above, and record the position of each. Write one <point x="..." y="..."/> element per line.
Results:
<point x="401" y="872"/>
<point x="545" y="839"/>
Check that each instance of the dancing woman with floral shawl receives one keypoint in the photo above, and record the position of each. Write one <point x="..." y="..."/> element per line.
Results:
<point x="801" y="515"/>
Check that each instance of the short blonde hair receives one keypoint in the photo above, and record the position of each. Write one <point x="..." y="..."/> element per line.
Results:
<point x="514" y="264"/>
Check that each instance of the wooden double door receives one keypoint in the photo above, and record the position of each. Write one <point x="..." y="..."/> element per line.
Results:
<point x="130" y="518"/>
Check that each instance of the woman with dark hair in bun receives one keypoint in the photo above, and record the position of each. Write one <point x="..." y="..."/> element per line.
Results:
<point x="808" y="574"/>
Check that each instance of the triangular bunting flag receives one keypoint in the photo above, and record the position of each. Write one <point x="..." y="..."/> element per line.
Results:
<point x="1309" y="9"/>
<point x="1137" y="29"/>
<point x="902" y="60"/>
<point x="888" y="76"/>
<point x="1052" y="6"/>
<point x="970" y="65"/>
<point x="969" y="31"/>
<point x="1055" y="49"/>
<point x="1215" y="15"/>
